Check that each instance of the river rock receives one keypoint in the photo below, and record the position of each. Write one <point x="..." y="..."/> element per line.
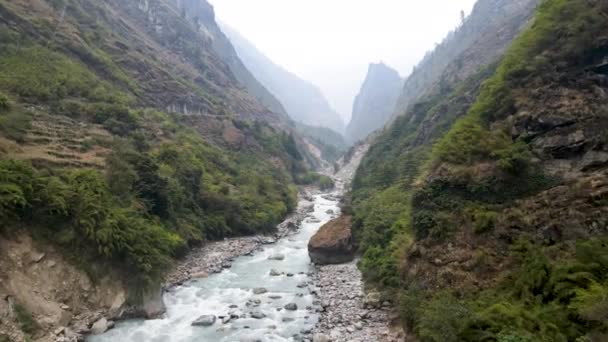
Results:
<point x="332" y="244"/>
<point x="37" y="257"/>
<point x="259" y="290"/>
<point x="291" y="307"/>
<point x="257" y="315"/>
<point x="100" y="326"/>
<point x="204" y="321"/>
<point x="152" y="302"/>
<point x="199" y="275"/>
<point x="278" y="257"/>
<point x="274" y="273"/>
<point x="373" y="299"/>
<point x="320" y="338"/>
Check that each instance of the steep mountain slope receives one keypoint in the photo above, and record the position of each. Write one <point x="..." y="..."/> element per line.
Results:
<point x="496" y="230"/>
<point x="303" y="101"/>
<point x="477" y="42"/>
<point x="330" y="144"/>
<point x="375" y="102"/>
<point x="201" y="13"/>
<point x="127" y="136"/>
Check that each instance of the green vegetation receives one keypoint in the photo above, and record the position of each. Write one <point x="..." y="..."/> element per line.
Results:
<point x="38" y="73"/>
<point x="149" y="204"/>
<point x="312" y="178"/>
<point x="4" y="103"/>
<point x="571" y="25"/>
<point x="540" y="301"/>
<point x="385" y="181"/>
<point x="26" y="322"/>
<point x="462" y="180"/>
<point x="160" y="187"/>
<point x="330" y="143"/>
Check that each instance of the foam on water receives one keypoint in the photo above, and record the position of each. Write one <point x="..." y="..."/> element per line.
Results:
<point x="215" y="294"/>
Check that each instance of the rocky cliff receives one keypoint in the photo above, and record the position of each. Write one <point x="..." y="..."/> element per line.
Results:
<point x="201" y="14"/>
<point x="490" y="223"/>
<point x="303" y="101"/>
<point x="477" y="42"/>
<point x="375" y="102"/>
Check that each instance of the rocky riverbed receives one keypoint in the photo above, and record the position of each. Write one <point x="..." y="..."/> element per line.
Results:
<point x="348" y="314"/>
<point x="246" y="289"/>
<point x="215" y="256"/>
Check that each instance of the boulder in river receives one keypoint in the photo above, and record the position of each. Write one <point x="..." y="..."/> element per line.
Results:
<point x="204" y="321"/>
<point x="259" y="290"/>
<point x="332" y="244"/>
<point x="278" y="257"/>
<point x="291" y="307"/>
<point x="372" y="300"/>
<point x="100" y="327"/>
<point x="257" y="315"/>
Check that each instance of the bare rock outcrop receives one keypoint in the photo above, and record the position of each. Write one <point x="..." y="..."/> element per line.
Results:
<point x="333" y="243"/>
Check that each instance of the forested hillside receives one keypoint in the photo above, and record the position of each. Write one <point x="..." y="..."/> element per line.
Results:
<point x="484" y="207"/>
<point x="126" y="135"/>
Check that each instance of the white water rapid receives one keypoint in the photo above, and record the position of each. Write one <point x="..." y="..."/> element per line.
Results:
<point x="231" y="292"/>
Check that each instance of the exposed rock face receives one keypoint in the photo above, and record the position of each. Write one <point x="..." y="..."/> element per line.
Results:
<point x="478" y="42"/>
<point x="303" y="101"/>
<point x="376" y="101"/>
<point x="332" y="243"/>
<point x="53" y="291"/>
<point x="153" y="305"/>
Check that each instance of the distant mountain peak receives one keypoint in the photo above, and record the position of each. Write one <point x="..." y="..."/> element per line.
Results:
<point x="376" y="101"/>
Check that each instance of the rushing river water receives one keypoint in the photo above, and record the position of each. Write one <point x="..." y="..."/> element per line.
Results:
<point x="231" y="292"/>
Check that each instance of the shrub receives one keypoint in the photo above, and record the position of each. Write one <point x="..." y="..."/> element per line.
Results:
<point x="325" y="182"/>
<point x="26" y="322"/>
<point x="482" y="218"/>
<point x="15" y="123"/>
<point x="410" y="301"/>
<point x="17" y="188"/>
<point x="4" y="103"/>
<point x="39" y="73"/>
<point x="441" y="319"/>
<point x="312" y="178"/>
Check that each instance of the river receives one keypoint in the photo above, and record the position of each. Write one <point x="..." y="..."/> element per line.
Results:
<point x="231" y="292"/>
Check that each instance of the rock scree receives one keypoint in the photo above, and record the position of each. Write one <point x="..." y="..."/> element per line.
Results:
<point x="332" y="244"/>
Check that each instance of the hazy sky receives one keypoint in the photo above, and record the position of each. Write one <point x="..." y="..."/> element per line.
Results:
<point x="332" y="42"/>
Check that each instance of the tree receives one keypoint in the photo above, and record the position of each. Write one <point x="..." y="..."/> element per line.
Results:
<point x="462" y="18"/>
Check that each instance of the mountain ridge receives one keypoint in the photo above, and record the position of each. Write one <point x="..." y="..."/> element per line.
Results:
<point x="304" y="101"/>
<point x="374" y="104"/>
